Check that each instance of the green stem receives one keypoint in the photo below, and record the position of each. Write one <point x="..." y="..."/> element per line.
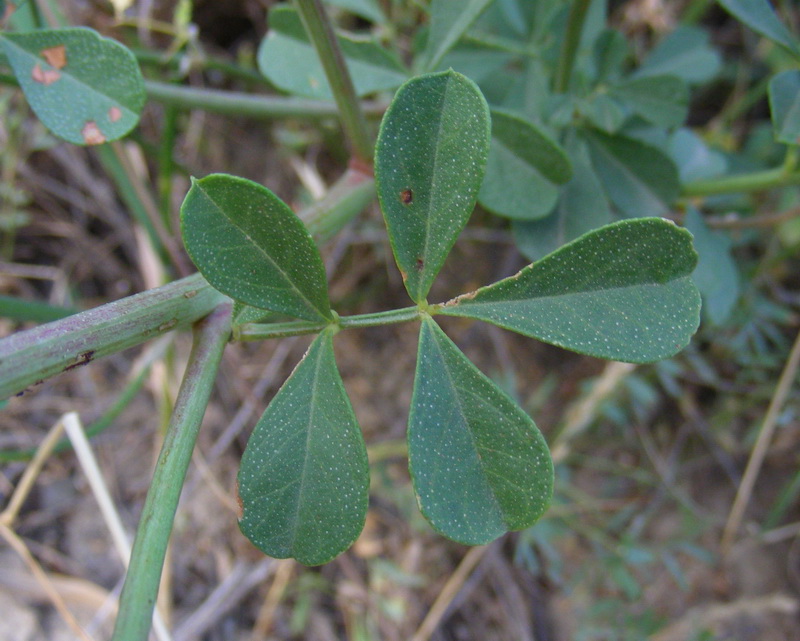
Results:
<point x="197" y="61"/>
<point x="756" y="181"/>
<point x="237" y="103"/>
<point x="139" y="593"/>
<point x="380" y="318"/>
<point x="320" y="31"/>
<point x="569" y="47"/>
<point x="265" y="331"/>
<point x="28" y="357"/>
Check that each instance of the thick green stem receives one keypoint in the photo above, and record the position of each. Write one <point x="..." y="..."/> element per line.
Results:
<point x="236" y="103"/>
<point x="28" y="357"/>
<point x="569" y="47"/>
<point x="139" y="593"/>
<point x="320" y="31"/>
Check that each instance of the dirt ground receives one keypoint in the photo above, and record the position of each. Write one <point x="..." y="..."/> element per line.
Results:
<point x="646" y="477"/>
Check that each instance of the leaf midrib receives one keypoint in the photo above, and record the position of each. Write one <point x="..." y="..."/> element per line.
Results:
<point x="292" y="287"/>
<point x="80" y="83"/>
<point x="465" y="421"/>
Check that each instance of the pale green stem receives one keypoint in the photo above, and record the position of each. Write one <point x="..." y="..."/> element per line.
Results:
<point x="320" y="31"/>
<point x="139" y="593"/>
<point x="236" y="103"/>
<point x="27" y="358"/>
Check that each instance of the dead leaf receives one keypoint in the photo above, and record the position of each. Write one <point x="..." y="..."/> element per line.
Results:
<point x="55" y="56"/>
<point x="91" y="134"/>
<point x="44" y="76"/>
<point x="114" y="114"/>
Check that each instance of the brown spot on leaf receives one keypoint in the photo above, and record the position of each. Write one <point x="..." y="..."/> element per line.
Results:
<point x="419" y="264"/>
<point x="91" y="134"/>
<point x="55" y="56"/>
<point x="44" y="76"/>
<point x="114" y="114"/>
<point x="406" y="196"/>
<point x="239" y="503"/>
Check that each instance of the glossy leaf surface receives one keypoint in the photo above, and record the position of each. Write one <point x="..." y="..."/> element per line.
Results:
<point x="622" y="292"/>
<point x="524" y="168"/>
<point x="84" y="88"/>
<point x="249" y="245"/>
<point x="760" y="17"/>
<point x="479" y="465"/>
<point x="287" y="59"/>
<point x="304" y="476"/>
<point x="640" y="180"/>
<point x="429" y="163"/>
<point x="784" y="103"/>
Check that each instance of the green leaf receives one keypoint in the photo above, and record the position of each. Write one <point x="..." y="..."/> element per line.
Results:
<point x="686" y="54"/>
<point x="784" y="103"/>
<point x="622" y="292"/>
<point x="640" y="180"/>
<point x="760" y="17"/>
<point x="525" y="166"/>
<point x="716" y="276"/>
<point x="288" y="60"/>
<point x="84" y="88"/>
<point x="694" y="159"/>
<point x="450" y="19"/>
<point x="660" y="100"/>
<point x="429" y="163"/>
<point x="251" y="246"/>
<point x="367" y="9"/>
<point x="582" y="207"/>
<point x="304" y="476"/>
<point x="479" y="465"/>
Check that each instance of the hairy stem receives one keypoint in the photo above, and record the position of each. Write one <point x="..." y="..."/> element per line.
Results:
<point x="139" y="593"/>
<point x="28" y="357"/>
<point x="320" y="31"/>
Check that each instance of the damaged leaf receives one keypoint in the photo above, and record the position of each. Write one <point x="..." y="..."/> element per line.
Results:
<point x="85" y="88"/>
<point x="622" y="292"/>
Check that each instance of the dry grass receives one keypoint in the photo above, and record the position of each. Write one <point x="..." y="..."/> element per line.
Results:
<point x="631" y="544"/>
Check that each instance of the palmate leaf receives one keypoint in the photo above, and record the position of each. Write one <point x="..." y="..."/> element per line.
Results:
<point x="622" y="292"/>
<point x="304" y="476"/>
<point x="479" y="465"/>
<point x="249" y="245"/>
<point x="429" y="163"/>
<point x="84" y="88"/>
